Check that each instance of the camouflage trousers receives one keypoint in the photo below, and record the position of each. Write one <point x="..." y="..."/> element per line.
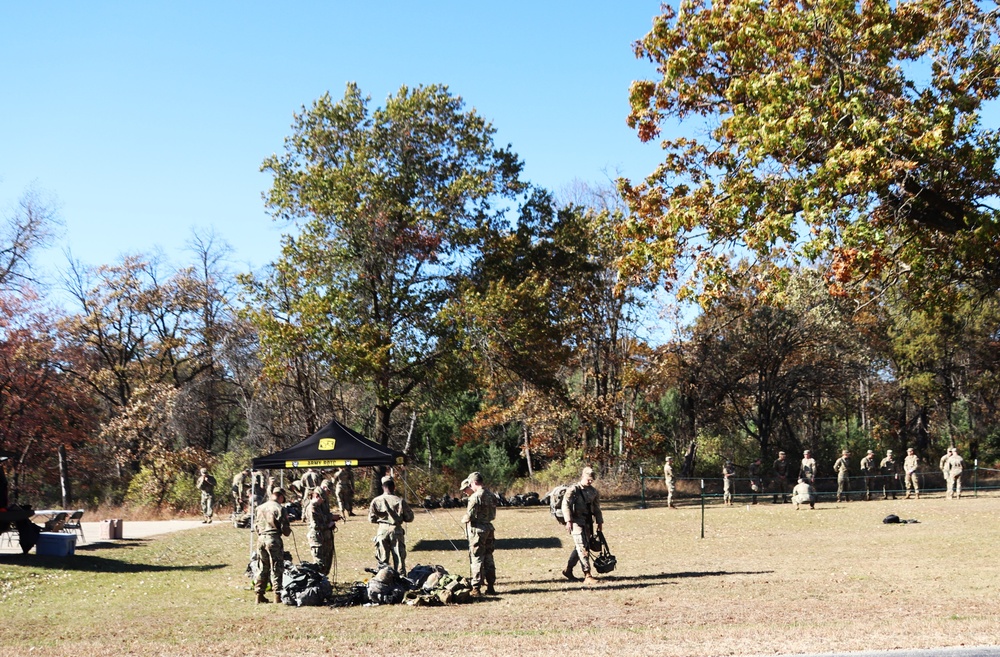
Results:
<point x="954" y="486"/>
<point x="670" y="492"/>
<point x="581" y="548"/>
<point x="345" y="500"/>
<point x="207" y="504"/>
<point x="843" y="486"/>
<point x="390" y="543"/>
<point x="321" y="546"/>
<point x="271" y="555"/>
<point x="481" y="545"/>
<point x="912" y="482"/>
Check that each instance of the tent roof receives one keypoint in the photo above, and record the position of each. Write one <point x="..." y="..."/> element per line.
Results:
<point x="332" y="446"/>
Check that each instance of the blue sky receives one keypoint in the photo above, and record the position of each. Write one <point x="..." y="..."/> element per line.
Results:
<point x="146" y="120"/>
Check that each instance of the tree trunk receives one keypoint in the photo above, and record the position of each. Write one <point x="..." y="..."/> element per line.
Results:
<point x="527" y="449"/>
<point x="67" y="497"/>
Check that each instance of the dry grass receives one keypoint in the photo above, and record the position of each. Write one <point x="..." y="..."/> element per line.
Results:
<point x="764" y="580"/>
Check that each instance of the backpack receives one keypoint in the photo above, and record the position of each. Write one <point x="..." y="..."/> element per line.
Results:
<point x="556" y="501"/>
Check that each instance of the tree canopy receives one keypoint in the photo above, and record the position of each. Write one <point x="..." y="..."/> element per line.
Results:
<point x="844" y="133"/>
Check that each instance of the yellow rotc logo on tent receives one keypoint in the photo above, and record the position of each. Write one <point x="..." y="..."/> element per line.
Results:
<point x="327" y="444"/>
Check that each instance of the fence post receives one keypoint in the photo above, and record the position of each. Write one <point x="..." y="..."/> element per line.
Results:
<point x="642" y="489"/>
<point x="975" y="478"/>
<point x="703" y="508"/>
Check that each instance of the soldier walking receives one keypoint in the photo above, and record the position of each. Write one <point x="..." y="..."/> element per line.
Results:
<point x="953" y="474"/>
<point x="728" y="482"/>
<point x="581" y="508"/>
<point x="206" y="484"/>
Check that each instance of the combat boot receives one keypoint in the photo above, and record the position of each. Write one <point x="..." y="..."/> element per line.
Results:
<point x="589" y="579"/>
<point x="476" y="592"/>
<point x="490" y="590"/>
<point x="568" y="574"/>
<point x="277" y="598"/>
<point x="917" y="495"/>
<point x="262" y="599"/>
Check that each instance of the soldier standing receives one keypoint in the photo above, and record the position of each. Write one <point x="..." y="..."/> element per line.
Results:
<point x="955" y="466"/>
<point x="389" y="512"/>
<point x="310" y="480"/>
<point x="206" y="484"/>
<point x="842" y="468"/>
<point x="271" y="524"/>
<point x="479" y="516"/>
<point x="668" y="479"/>
<point x="343" y="480"/>
<point x="320" y="521"/>
<point x="582" y="509"/>
<point x="910" y="465"/>
<point x="807" y="468"/>
<point x="728" y="480"/>
<point x="753" y="472"/>
<point x="780" y="470"/>
<point x="890" y="475"/>
<point x="240" y="490"/>
<point x="868" y="471"/>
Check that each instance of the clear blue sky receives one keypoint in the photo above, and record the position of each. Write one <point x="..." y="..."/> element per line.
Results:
<point x="149" y="119"/>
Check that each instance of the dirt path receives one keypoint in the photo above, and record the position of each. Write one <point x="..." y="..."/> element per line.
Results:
<point x="131" y="529"/>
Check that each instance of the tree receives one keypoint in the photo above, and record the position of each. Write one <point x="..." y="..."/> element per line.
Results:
<point x="28" y="226"/>
<point x="835" y="131"/>
<point x="389" y="203"/>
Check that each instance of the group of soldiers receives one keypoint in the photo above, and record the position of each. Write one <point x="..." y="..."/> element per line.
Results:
<point x="885" y="475"/>
<point x="339" y="483"/>
<point x="389" y="511"/>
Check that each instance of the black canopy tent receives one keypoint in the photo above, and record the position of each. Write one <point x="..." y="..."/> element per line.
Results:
<point x="332" y="446"/>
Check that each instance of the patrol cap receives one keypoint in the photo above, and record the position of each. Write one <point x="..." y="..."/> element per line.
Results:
<point x="278" y="490"/>
<point x="387" y="480"/>
<point x="781" y="453"/>
<point x="888" y="451"/>
<point x="464" y="484"/>
<point x="670" y="458"/>
<point x="871" y="451"/>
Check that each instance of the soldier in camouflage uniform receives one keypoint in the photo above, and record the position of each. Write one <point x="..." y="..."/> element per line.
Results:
<point x="320" y="522"/>
<point x="582" y="509"/>
<point x="868" y="471"/>
<point x="953" y="474"/>
<point x="206" y="484"/>
<point x="753" y="472"/>
<point x="343" y="480"/>
<point x="943" y="466"/>
<point x="780" y="472"/>
<point x="271" y="524"/>
<point x="668" y="479"/>
<point x="910" y="466"/>
<point x="389" y="512"/>
<point x="889" y="472"/>
<point x="310" y="480"/>
<point x="240" y="490"/>
<point x="807" y="468"/>
<point x="842" y="468"/>
<point x="728" y="482"/>
<point x="479" y="516"/>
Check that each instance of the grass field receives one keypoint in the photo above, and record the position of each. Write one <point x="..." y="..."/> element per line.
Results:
<point x="766" y="579"/>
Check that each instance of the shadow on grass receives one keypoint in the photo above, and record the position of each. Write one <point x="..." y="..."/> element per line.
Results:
<point x="96" y="564"/>
<point x="618" y="583"/>
<point x="501" y="544"/>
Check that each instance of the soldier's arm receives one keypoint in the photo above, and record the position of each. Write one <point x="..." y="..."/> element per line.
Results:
<point x="372" y="515"/>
